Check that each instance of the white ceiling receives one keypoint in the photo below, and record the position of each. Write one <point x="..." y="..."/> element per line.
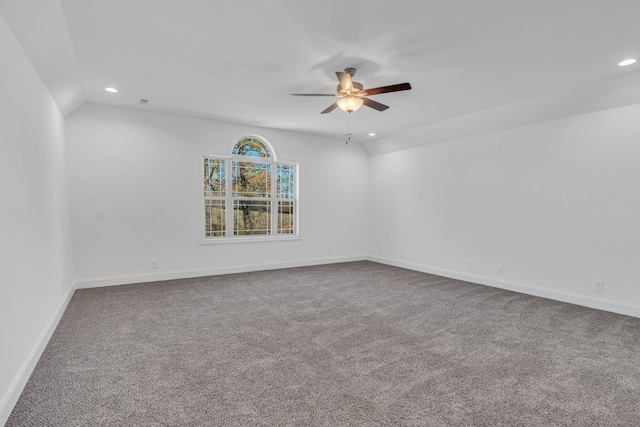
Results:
<point x="239" y="61"/>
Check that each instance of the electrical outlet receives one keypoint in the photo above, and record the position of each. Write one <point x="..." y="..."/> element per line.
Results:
<point x="469" y="265"/>
<point x="401" y="254"/>
<point x="500" y="269"/>
<point x="154" y="263"/>
<point x="330" y="251"/>
<point x="598" y="287"/>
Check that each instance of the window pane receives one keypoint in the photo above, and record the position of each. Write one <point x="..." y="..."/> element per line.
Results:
<point x="251" y="217"/>
<point x="214" y="214"/>
<point x="251" y="147"/>
<point x="286" y="217"/>
<point x="251" y="179"/>
<point x="214" y="178"/>
<point x="285" y="180"/>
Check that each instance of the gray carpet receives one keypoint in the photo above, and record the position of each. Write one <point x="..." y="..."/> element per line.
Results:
<point x="353" y="344"/>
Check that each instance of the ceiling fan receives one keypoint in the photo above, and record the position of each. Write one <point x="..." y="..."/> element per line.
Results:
<point x="353" y="95"/>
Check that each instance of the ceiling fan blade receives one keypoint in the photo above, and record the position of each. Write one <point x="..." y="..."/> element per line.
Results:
<point x="373" y="104"/>
<point x="330" y="108"/>
<point x="345" y="80"/>
<point x="312" y="94"/>
<point x="386" y="89"/>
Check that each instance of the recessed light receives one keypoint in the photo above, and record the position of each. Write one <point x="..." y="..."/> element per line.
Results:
<point x="627" y="62"/>
<point x="111" y="89"/>
<point x="372" y="134"/>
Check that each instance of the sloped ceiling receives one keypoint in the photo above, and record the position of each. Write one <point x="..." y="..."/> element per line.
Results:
<point x="41" y="29"/>
<point x="475" y="66"/>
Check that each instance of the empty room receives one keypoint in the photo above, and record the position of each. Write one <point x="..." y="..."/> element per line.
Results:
<point x="337" y="213"/>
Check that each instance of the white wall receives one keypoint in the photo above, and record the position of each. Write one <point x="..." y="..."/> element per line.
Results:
<point x="35" y="261"/>
<point x="557" y="204"/>
<point x="135" y="191"/>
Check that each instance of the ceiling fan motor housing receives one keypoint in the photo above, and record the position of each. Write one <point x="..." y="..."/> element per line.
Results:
<point x="350" y="70"/>
<point x="357" y="87"/>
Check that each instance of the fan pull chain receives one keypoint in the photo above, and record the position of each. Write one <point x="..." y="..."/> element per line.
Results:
<point x="348" y="128"/>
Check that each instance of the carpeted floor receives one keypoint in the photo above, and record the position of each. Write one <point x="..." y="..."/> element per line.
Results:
<point x="337" y="345"/>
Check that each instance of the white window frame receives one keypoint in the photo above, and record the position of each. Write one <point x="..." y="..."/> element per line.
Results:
<point x="229" y="199"/>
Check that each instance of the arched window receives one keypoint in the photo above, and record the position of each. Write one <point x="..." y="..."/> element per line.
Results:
<point x="249" y="193"/>
<point x="251" y="146"/>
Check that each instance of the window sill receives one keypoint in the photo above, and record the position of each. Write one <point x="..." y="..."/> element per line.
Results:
<point x="246" y="239"/>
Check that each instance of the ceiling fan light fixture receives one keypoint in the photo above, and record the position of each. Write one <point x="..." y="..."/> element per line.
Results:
<point x="350" y="103"/>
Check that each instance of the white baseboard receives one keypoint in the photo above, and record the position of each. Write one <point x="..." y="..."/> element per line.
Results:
<point x="12" y="395"/>
<point x="554" y="294"/>
<point x="186" y="274"/>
